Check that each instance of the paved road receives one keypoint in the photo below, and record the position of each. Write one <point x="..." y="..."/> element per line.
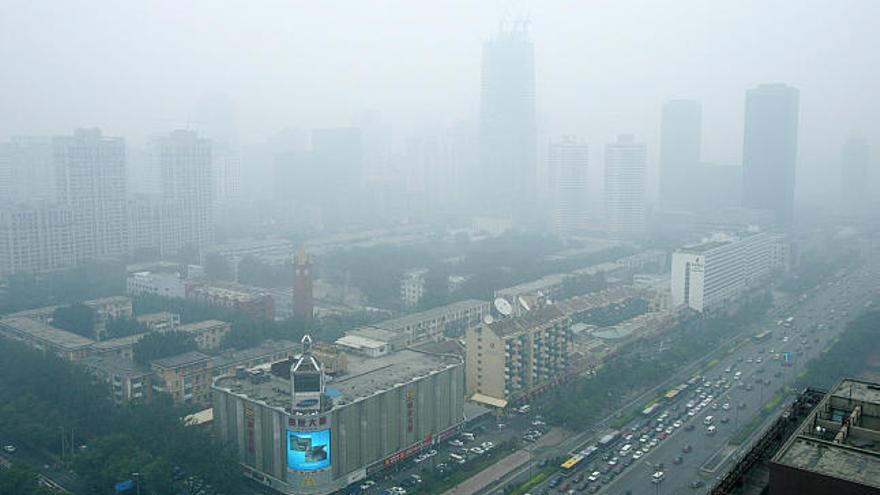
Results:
<point x="855" y="290"/>
<point x="712" y="455"/>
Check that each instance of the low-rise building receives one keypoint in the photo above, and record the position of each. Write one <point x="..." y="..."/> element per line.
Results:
<point x="162" y="321"/>
<point x="431" y="325"/>
<point x="185" y="377"/>
<point x="251" y="300"/>
<point x="127" y="381"/>
<point x="208" y="334"/>
<point x="46" y="338"/>
<point x="836" y="449"/>
<point x="120" y="347"/>
<point x="270" y="351"/>
<point x="510" y="359"/>
<point x="163" y="284"/>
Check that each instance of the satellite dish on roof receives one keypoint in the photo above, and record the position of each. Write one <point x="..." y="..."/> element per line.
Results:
<point x="488" y="320"/>
<point x="503" y="307"/>
<point x="523" y="303"/>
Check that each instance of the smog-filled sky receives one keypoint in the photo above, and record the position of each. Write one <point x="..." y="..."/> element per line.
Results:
<point x="603" y="67"/>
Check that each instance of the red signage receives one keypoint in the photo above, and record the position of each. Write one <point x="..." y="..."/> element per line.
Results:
<point x="408" y="452"/>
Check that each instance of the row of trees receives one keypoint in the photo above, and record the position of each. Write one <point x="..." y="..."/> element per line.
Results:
<point x="854" y="354"/>
<point x="87" y="281"/>
<point x="631" y="370"/>
<point x="19" y="480"/>
<point x="42" y="396"/>
<point x="248" y="330"/>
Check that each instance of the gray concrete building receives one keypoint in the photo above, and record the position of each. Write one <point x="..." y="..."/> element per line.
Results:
<point x="299" y="432"/>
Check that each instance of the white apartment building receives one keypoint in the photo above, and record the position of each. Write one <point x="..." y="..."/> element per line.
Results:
<point x="706" y="275"/>
<point x="35" y="238"/>
<point x="412" y="287"/>
<point x="90" y="180"/>
<point x="157" y="284"/>
<point x="625" y="186"/>
<point x="185" y="167"/>
<point x="569" y="160"/>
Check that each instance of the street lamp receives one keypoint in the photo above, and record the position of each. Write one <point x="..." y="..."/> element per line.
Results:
<point x="137" y="482"/>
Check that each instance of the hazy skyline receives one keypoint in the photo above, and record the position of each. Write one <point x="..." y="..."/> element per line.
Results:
<point x="602" y="67"/>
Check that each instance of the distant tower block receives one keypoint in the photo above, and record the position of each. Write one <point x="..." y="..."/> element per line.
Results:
<point x="303" y="300"/>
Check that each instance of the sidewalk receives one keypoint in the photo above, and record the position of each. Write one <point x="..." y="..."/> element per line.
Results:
<point x="488" y="476"/>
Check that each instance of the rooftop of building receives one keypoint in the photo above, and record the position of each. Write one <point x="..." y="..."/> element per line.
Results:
<point x="841" y="437"/>
<point x="229" y="290"/>
<point x="114" y="365"/>
<point x="46" y="333"/>
<point x="376" y="334"/>
<point x="356" y="341"/>
<point x="198" y="326"/>
<point x="397" y="324"/>
<point x="185" y="359"/>
<point x="520" y="324"/>
<point x="118" y="342"/>
<point x="365" y="377"/>
<point x="158" y="316"/>
<point x="267" y="348"/>
<point x="108" y="300"/>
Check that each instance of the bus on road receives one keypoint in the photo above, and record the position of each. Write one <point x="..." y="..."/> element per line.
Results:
<point x="569" y="467"/>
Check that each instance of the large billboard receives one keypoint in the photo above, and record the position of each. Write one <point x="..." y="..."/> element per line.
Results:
<point x="308" y="450"/>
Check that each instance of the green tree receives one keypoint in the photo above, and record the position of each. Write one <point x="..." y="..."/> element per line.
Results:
<point x="21" y="480"/>
<point x="77" y="318"/>
<point x="158" y="345"/>
<point x="123" y="327"/>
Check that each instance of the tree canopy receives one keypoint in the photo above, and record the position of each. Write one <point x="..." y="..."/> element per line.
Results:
<point x="158" y="345"/>
<point x="77" y="318"/>
<point x="119" y="440"/>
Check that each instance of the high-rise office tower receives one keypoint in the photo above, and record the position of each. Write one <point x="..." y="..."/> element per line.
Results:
<point x="680" y="138"/>
<point x="90" y="180"/>
<point x="770" y="150"/>
<point x="185" y="166"/>
<point x="625" y="186"/>
<point x="568" y="160"/>
<point x="507" y="125"/>
<point x="854" y="173"/>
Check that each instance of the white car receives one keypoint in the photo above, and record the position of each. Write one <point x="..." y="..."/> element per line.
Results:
<point x="637" y="455"/>
<point x="431" y="453"/>
<point x="487" y="445"/>
<point x="397" y="490"/>
<point x="421" y="458"/>
<point x="595" y="475"/>
<point x="366" y="485"/>
<point x="726" y="406"/>
<point x="10" y="449"/>
<point x="677" y="424"/>
<point x="456" y="443"/>
<point x="477" y="451"/>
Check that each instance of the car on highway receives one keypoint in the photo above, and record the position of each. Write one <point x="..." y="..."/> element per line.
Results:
<point x="657" y="477"/>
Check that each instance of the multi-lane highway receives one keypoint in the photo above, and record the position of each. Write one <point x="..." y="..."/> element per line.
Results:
<point x="747" y="379"/>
